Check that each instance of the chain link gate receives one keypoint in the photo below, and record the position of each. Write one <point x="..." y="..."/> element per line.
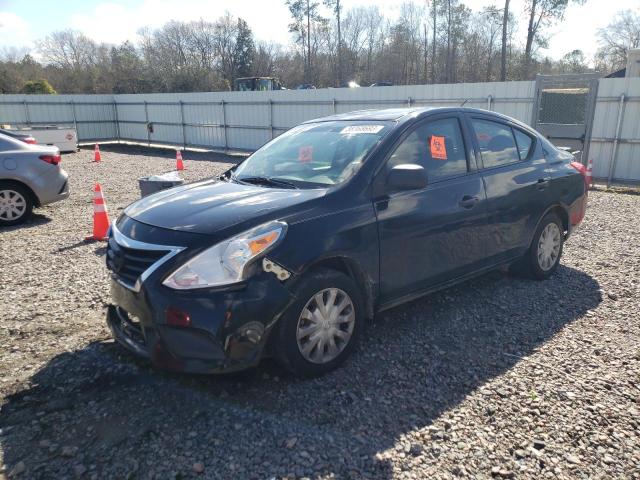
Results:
<point x="563" y="109"/>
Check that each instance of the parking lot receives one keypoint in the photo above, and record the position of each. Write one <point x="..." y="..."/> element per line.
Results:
<point x="497" y="377"/>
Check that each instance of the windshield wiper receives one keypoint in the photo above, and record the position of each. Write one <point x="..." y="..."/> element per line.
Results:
<point x="266" y="181"/>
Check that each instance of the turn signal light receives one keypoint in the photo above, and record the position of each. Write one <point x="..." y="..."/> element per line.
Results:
<point x="259" y="244"/>
<point x="177" y="318"/>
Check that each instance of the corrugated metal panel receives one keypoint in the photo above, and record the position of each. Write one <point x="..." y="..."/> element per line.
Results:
<point x="627" y="164"/>
<point x="252" y="118"/>
<point x="93" y="114"/>
<point x="203" y="112"/>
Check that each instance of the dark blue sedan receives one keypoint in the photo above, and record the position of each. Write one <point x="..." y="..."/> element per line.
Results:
<point x="288" y="253"/>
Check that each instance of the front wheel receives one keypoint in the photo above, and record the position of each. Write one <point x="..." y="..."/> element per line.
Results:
<point x="319" y="329"/>
<point x="543" y="256"/>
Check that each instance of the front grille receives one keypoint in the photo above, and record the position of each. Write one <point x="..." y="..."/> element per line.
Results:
<point x="128" y="264"/>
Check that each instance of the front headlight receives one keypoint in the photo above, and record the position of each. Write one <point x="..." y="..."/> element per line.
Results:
<point x="225" y="263"/>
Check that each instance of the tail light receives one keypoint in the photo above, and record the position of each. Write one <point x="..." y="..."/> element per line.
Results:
<point x="583" y="171"/>
<point x="52" y="159"/>
<point x="580" y="167"/>
<point x="577" y="213"/>
<point x="29" y="140"/>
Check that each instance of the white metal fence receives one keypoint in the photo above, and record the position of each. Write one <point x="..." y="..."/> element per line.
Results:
<point x="240" y="120"/>
<point x="247" y="120"/>
<point x="615" y="137"/>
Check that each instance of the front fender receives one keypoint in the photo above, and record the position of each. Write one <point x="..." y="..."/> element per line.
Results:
<point x="349" y="236"/>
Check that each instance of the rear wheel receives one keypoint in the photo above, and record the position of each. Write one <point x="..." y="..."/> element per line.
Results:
<point x="319" y="330"/>
<point x="15" y="204"/>
<point x="545" y="251"/>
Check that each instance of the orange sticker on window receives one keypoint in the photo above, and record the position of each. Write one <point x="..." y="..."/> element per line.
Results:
<point x="305" y="154"/>
<point x="438" y="148"/>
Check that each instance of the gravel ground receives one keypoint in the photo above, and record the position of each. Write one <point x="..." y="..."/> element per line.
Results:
<point x="498" y="377"/>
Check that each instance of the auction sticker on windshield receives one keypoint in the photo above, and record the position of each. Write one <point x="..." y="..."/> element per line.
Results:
<point x="305" y="154"/>
<point x="351" y="129"/>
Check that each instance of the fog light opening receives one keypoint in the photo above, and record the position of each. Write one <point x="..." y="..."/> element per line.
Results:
<point x="253" y="335"/>
<point x="177" y="318"/>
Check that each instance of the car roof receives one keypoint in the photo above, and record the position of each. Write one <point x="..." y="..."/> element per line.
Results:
<point x="13" y="133"/>
<point x="373" y="114"/>
<point x="396" y="114"/>
<point x="13" y="141"/>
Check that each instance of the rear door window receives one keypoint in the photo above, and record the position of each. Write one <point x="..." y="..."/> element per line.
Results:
<point x="524" y="142"/>
<point x="497" y="143"/>
<point x="437" y="146"/>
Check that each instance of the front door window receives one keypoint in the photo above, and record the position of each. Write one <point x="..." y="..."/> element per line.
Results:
<point x="437" y="146"/>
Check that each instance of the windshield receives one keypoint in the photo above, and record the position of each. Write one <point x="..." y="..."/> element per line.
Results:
<point x="316" y="154"/>
<point x="264" y="84"/>
<point x="245" y="85"/>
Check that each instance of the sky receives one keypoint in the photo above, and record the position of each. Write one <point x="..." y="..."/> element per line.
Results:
<point x="113" y="21"/>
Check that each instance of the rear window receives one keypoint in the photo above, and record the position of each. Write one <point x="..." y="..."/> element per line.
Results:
<point x="7" y="143"/>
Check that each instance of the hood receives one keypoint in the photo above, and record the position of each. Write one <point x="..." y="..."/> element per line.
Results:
<point x="210" y="206"/>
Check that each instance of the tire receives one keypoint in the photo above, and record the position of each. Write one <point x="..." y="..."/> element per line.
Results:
<point x="543" y="257"/>
<point x="16" y="204"/>
<point x="302" y="356"/>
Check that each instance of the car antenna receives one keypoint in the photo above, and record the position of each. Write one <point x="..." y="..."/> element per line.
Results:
<point x="463" y="103"/>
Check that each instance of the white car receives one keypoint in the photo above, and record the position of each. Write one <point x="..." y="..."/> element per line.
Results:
<point x="30" y="176"/>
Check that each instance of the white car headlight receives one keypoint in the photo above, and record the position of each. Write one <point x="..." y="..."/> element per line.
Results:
<point x="225" y="262"/>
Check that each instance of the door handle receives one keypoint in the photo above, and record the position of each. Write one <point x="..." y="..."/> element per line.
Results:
<point x="542" y="183"/>
<point x="382" y="203"/>
<point x="468" y="201"/>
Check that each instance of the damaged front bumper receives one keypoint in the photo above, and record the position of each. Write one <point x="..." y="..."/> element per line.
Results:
<point x="228" y="329"/>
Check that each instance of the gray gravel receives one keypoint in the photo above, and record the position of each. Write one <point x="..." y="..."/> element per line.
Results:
<point x="499" y="377"/>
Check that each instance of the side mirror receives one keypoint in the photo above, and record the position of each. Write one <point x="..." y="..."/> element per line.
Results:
<point x="407" y="176"/>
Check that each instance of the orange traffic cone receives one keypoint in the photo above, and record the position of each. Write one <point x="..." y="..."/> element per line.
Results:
<point x="100" y="217"/>
<point x="589" y="175"/>
<point x="179" y="164"/>
<point x="96" y="154"/>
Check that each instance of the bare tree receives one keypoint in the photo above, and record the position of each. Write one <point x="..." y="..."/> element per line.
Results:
<point x="455" y="16"/>
<point x="430" y="40"/>
<point x="305" y="14"/>
<point x="67" y="49"/>
<point x="434" y="27"/>
<point x="573" y="62"/>
<point x="617" y="38"/>
<point x="503" y="50"/>
<point x="491" y="24"/>
<point x="542" y="13"/>
<point x="354" y="41"/>
<point x="336" y="8"/>
<point x="233" y="47"/>
<point x="265" y="58"/>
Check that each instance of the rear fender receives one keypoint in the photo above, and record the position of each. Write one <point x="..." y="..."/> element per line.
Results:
<point x="12" y="181"/>
<point x="562" y="211"/>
